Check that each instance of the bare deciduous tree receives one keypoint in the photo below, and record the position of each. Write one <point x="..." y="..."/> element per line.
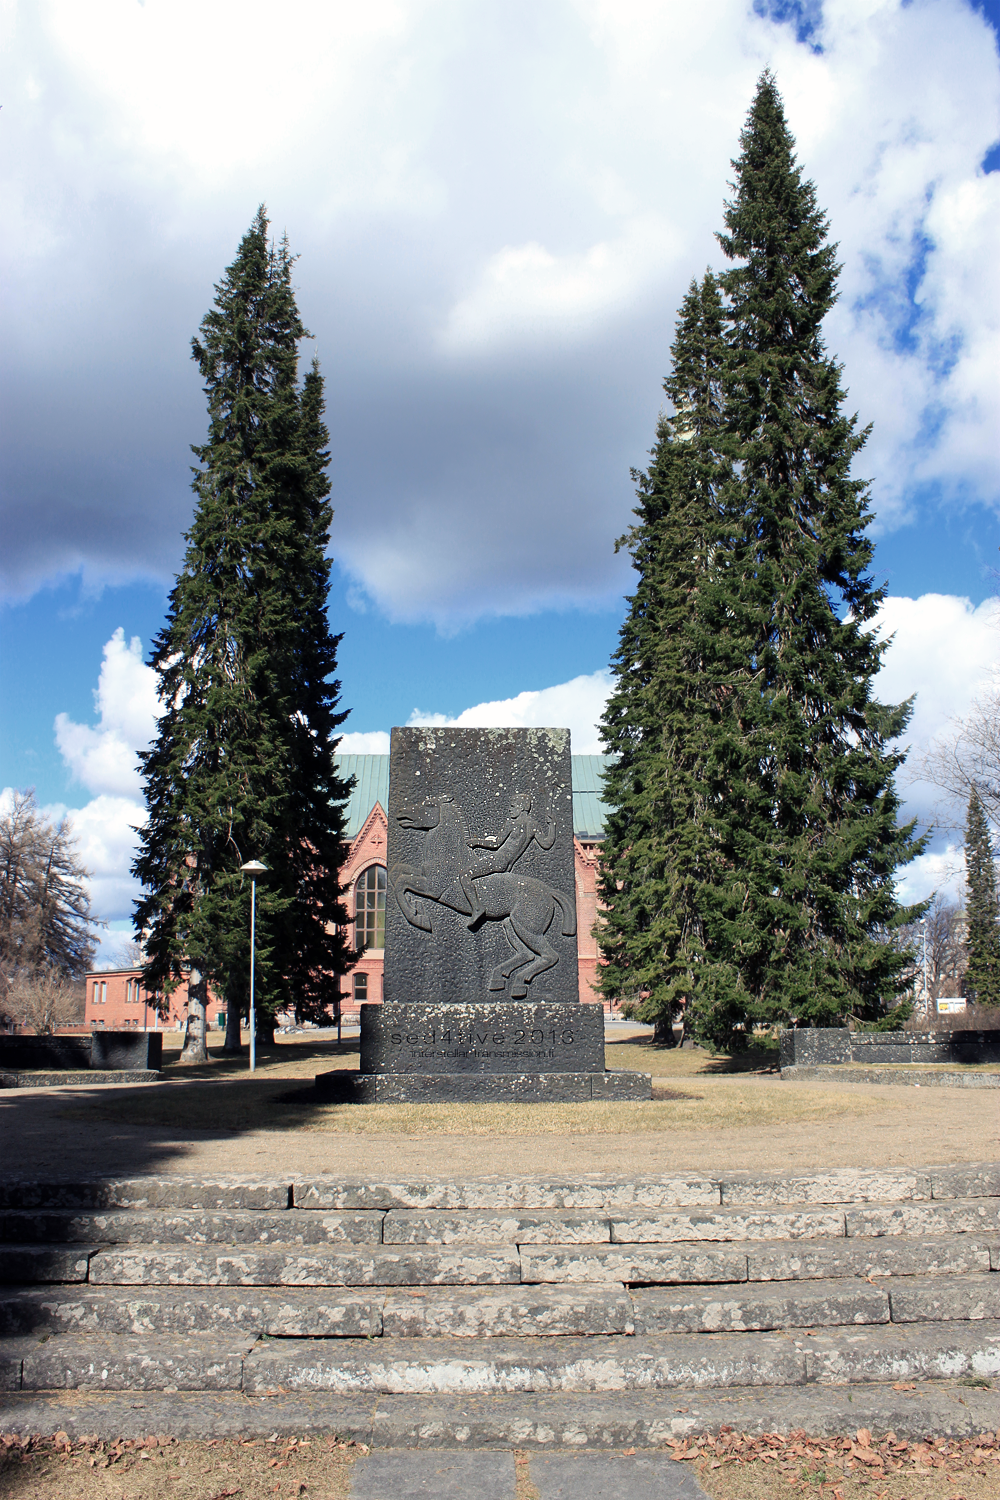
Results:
<point x="967" y="757"/>
<point x="45" y="1000"/>
<point x="45" y="924"/>
<point x="946" y="953"/>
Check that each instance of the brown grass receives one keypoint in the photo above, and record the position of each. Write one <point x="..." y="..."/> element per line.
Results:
<point x="692" y="1091"/>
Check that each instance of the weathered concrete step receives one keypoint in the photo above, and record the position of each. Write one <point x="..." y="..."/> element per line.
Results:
<point x="477" y="1227"/>
<point x="894" y="1077"/>
<point x="731" y="1225"/>
<point x="661" y="1362"/>
<point x="41" y="1263"/>
<point x="70" y="1362"/>
<point x="631" y="1263"/>
<point x="328" y="1313"/>
<point x="935" y="1255"/>
<point x="576" y="1421"/>
<point x="205" y="1193"/>
<point x="747" y="1306"/>
<point x="522" y="1310"/>
<point x="816" y="1304"/>
<point x="961" y="1216"/>
<point x="457" y="1366"/>
<point x="928" y="1299"/>
<point x="291" y="1265"/>
<point x="778" y="1260"/>
<point x="560" y="1227"/>
<point x="591" y="1191"/>
<point x="493" y="1195"/>
<point x="233" y="1226"/>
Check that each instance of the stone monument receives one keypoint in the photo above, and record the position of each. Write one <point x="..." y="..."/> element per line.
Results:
<point x="481" y="988"/>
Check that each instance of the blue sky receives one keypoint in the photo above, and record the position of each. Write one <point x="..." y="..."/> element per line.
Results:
<point x="497" y="211"/>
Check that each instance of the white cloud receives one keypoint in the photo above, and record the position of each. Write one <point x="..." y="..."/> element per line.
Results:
<point x="103" y="830"/>
<point x="938" y="870"/>
<point x="103" y="758"/>
<point x="576" y="705"/>
<point x="364" y="742"/>
<point x="943" y="649"/>
<point x="525" y="293"/>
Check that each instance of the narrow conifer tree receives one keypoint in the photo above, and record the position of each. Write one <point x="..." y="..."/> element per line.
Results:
<point x="242" y="764"/>
<point x="661" y="719"/>
<point x="982" y="912"/>
<point x="811" y="839"/>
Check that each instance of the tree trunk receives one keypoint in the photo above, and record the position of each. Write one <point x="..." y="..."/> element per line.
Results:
<point x="663" y="1032"/>
<point x="195" y="1049"/>
<point x="233" y="1042"/>
<point x="265" y="1030"/>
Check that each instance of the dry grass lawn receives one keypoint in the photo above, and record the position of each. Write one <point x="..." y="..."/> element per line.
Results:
<point x="691" y="1091"/>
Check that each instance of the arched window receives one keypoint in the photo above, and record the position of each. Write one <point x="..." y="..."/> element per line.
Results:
<point x="369" y="908"/>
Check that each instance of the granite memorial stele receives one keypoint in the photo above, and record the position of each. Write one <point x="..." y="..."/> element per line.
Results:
<point x="481" y="990"/>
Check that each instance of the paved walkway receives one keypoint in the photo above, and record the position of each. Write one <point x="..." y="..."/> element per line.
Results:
<point x="493" y="1476"/>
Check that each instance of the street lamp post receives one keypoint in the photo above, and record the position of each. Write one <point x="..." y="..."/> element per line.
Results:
<point x="253" y="868"/>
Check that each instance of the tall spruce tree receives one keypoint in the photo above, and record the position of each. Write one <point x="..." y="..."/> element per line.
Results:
<point x="811" y="839"/>
<point x="982" y="912"/>
<point x="661" y="718"/>
<point x="747" y="661"/>
<point x="242" y="764"/>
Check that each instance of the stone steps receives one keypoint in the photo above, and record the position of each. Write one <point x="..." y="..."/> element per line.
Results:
<point x="481" y="1312"/>
<point x="580" y="1421"/>
<point x="450" y="1366"/>
<point x="334" y="1290"/>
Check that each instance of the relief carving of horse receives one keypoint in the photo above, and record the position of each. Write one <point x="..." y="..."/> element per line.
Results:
<point x="526" y="906"/>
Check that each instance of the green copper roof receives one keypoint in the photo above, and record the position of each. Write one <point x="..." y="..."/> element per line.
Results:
<point x="371" y="773"/>
<point x="589" y="811"/>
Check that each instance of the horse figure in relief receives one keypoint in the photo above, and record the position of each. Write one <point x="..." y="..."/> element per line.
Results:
<point x="487" y="889"/>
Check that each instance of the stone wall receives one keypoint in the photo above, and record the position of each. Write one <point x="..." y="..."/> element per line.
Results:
<point x="823" y="1046"/>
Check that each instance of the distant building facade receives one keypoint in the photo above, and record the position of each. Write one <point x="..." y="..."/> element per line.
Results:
<point x="117" y="1000"/>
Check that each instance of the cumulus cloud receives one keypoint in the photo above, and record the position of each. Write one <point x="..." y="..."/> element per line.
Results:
<point x="104" y="829"/>
<point x="942" y="648"/>
<point x="103" y="757"/>
<point x="498" y="211"/>
<point x="938" y="870"/>
<point x="364" y="742"/>
<point x="575" y="705"/>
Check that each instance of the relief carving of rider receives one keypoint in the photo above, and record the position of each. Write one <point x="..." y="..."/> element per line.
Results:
<point x="505" y="849"/>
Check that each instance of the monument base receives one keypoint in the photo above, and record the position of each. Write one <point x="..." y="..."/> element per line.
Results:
<point x="482" y="1037"/>
<point x="503" y="1052"/>
<point x="342" y="1087"/>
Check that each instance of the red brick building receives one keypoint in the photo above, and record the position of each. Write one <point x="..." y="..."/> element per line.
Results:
<point x="116" y="999"/>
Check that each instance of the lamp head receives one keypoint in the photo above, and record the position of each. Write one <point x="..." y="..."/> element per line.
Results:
<point x="254" y="867"/>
